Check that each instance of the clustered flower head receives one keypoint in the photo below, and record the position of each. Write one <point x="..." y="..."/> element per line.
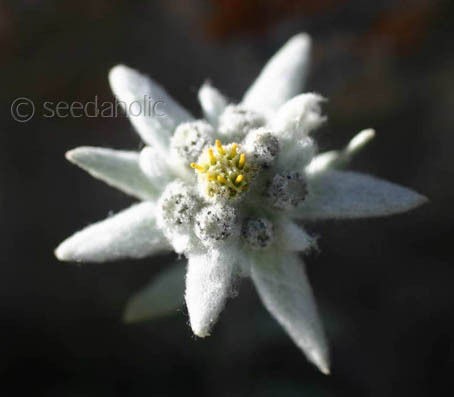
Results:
<point x="231" y="192"/>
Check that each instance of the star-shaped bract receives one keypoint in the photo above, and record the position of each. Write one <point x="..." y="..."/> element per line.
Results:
<point x="231" y="193"/>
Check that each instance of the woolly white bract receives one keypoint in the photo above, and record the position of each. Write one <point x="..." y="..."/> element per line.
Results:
<point x="231" y="193"/>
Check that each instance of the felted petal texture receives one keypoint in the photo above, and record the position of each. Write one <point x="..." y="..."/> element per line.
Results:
<point x="117" y="168"/>
<point x="285" y="291"/>
<point x="299" y="116"/>
<point x="293" y="238"/>
<point x="131" y="233"/>
<point x="150" y="108"/>
<point x="339" y="158"/>
<point x="213" y="103"/>
<point x="343" y="194"/>
<point x="161" y="297"/>
<point x="282" y="77"/>
<point x="292" y="123"/>
<point x="208" y="285"/>
<point x="155" y="167"/>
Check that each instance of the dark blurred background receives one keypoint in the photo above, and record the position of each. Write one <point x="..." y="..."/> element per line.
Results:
<point x="385" y="286"/>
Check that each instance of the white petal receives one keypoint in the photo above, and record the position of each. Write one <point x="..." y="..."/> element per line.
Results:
<point x="291" y="237"/>
<point x="361" y="139"/>
<point x="299" y="116"/>
<point x="162" y="296"/>
<point x="131" y="233"/>
<point x="161" y="169"/>
<point x="151" y="110"/>
<point x="285" y="291"/>
<point x="208" y="285"/>
<point x="117" y="168"/>
<point x="295" y="154"/>
<point x="154" y="165"/>
<point x="339" y="158"/>
<point x="282" y="77"/>
<point x="342" y="194"/>
<point x="213" y="103"/>
<point x="323" y="161"/>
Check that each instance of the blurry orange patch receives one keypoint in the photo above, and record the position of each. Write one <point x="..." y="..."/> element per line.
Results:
<point x="231" y="17"/>
<point x="6" y="29"/>
<point x="404" y="26"/>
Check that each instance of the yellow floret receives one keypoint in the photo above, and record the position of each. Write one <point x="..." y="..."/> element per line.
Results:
<point x="223" y="170"/>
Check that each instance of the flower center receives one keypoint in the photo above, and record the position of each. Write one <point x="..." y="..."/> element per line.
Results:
<point x="223" y="170"/>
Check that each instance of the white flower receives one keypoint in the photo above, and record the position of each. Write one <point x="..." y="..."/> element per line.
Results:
<point x="232" y="194"/>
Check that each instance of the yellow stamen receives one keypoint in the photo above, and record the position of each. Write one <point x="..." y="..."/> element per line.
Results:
<point x="219" y="147"/>
<point x="239" y="179"/>
<point x="198" y="167"/>
<point x="212" y="157"/>
<point x="224" y="170"/>
<point x="242" y="160"/>
<point x="221" y="179"/>
<point x="233" y="150"/>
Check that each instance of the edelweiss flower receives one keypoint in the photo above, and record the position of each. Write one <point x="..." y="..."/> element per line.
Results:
<point x="231" y="193"/>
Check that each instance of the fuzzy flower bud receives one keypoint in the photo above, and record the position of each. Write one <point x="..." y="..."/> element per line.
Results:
<point x="236" y="121"/>
<point x="190" y="138"/>
<point x="177" y="206"/>
<point x="215" y="222"/>
<point x="258" y="232"/>
<point x="287" y="190"/>
<point x="262" y="145"/>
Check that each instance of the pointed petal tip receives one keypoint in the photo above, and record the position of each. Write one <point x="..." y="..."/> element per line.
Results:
<point x="320" y="360"/>
<point x="59" y="253"/>
<point x="127" y="318"/>
<point x="200" y="327"/>
<point x="129" y="314"/>
<point x="82" y="153"/>
<point x="302" y="40"/>
<point x="209" y="279"/>
<point x="201" y="332"/>
<point x="119" y="72"/>
<point x="63" y="253"/>
<point x="131" y="233"/>
<point x="323" y="367"/>
<point x="368" y="131"/>
<point x="350" y="195"/>
<point x="421" y="200"/>
<point x="301" y="36"/>
<point x="75" y="154"/>
<point x="212" y="101"/>
<point x="70" y="155"/>
<point x="299" y="45"/>
<point x="206" y="85"/>
<point x="282" y="77"/>
<point x="66" y="252"/>
<point x="360" y="140"/>
<point x="121" y="77"/>
<point x="417" y="201"/>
